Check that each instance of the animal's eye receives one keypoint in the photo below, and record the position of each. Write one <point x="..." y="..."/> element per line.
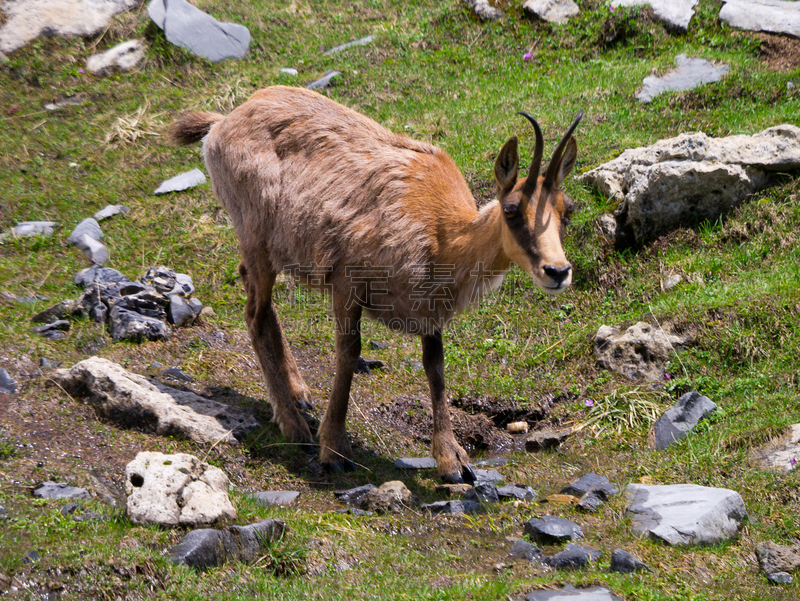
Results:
<point x="511" y="213"/>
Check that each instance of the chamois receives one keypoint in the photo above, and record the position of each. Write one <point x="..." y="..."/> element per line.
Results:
<point x="384" y="224"/>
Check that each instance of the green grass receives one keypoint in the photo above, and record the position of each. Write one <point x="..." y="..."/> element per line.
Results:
<point x="436" y="73"/>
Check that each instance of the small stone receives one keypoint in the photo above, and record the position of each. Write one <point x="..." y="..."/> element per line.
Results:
<point x="552" y="11"/>
<point x="517" y="491"/>
<point x="179" y="312"/>
<point x="124" y="57"/>
<point x="44" y="363"/>
<point x="625" y="563"/>
<point x="63" y="310"/>
<point x="549" y="530"/>
<point x="95" y="251"/>
<point x="324" y="81"/>
<point x="53" y="331"/>
<point x="574" y="557"/>
<point x="588" y="483"/>
<point x="59" y="490"/>
<point x="484" y="11"/>
<point x="355" y="511"/>
<point x="26" y="229"/>
<point x="777" y="558"/>
<point x="389" y="496"/>
<point x="99" y="312"/>
<point x="3" y="513"/>
<point x="184" y="181"/>
<point x="360" y="42"/>
<point x="8" y="385"/>
<point x="362" y="367"/>
<point x="70" y="508"/>
<point x="546" y="440"/>
<point x="487" y="477"/>
<point x="453" y="507"/>
<point x="678" y="421"/>
<point x="671" y="282"/>
<point x="275" y="497"/>
<point x="196" y="306"/>
<point x="289" y="71"/>
<point x="517" y="427"/>
<point x="110" y="210"/>
<point x="525" y="550"/>
<point x="354" y="496"/>
<point x="176" y="373"/>
<point x="31" y="557"/>
<point x="780" y="578"/>
<point x="378" y="346"/>
<point x="87" y="227"/>
<point x="454" y="490"/>
<point x="415" y="463"/>
<point x="97" y="274"/>
<point x="592" y="501"/>
<point x="183" y="285"/>
<point x="483" y="493"/>
<point x="569" y="592"/>
<point x="132" y="326"/>
<point x="675" y="14"/>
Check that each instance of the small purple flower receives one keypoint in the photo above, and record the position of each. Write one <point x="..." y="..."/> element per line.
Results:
<point x="80" y="70"/>
<point x="794" y="461"/>
<point x="589" y="403"/>
<point x="668" y="376"/>
<point x="527" y="56"/>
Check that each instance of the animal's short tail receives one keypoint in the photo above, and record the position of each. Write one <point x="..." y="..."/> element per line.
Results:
<point x="191" y="127"/>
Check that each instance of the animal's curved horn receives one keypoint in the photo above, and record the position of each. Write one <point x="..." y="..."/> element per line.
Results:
<point x="550" y="174"/>
<point x="536" y="163"/>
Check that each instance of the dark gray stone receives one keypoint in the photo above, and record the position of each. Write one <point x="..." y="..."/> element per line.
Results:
<point x="355" y="495"/>
<point x="453" y="507"/>
<point x="588" y="483"/>
<point x="415" y="463"/>
<point x="132" y="326"/>
<point x="378" y="346"/>
<point x="63" y="310"/>
<point x="625" y="563"/>
<point x="88" y="227"/>
<point x="199" y="549"/>
<point x="324" y="81"/>
<point x="196" y="306"/>
<point x="679" y="420"/>
<point x="549" y="530"/>
<point x="8" y="385"/>
<point x="90" y="516"/>
<point x="487" y="477"/>
<point x="53" y="331"/>
<point x="517" y="491"/>
<point x="183" y="285"/>
<point x="780" y="578"/>
<point x="59" y="490"/>
<point x="570" y="593"/>
<point x="525" y="550"/>
<point x="592" y="501"/>
<point x="483" y="493"/>
<point x="362" y="367"/>
<point x="147" y="302"/>
<point x="162" y="278"/>
<point x="31" y="557"/>
<point x="360" y="42"/>
<point x="99" y="312"/>
<point x="110" y="210"/>
<point x="3" y="513"/>
<point x="45" y="363"/>
<point x="199" y="33"/>
<point x="573" y="557"/>
<point x="275" y="497"/>
<point x="176" y="373"/>
<point x="777" y="558"/>
<point x="97" y="274"/>
<point x="179" y="312"/>
<point x="356" y="512"/>
<point x="70" y="508"/>
<point x="95" y="251"/>
<point x="181" y="182"/>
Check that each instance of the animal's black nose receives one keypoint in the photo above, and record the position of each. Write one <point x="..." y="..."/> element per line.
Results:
<point x="557" y="274"/>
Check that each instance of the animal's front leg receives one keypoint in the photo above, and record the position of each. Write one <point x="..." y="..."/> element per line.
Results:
<point x="335" y="452"/>
<point x="452" y="460"/>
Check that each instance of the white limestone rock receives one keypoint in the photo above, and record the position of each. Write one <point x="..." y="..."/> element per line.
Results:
<point x="123" y="57"/>
<point x="690" y="74"/>
<point x="773" y="16"/>
<point x="552" y="11"/>
<point x="675" y="14"/>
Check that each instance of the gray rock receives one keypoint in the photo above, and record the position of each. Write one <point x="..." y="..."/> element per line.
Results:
<point x="176" y="373"/>
<point x="97" y="274"/>
<point x="780" y="578"/>
<point x="680" y="419"/>
<point x="26" y="229"/>
<point x="552" y="11"/>
<point x="484" y="492"/>
<point x="8" y="385"/>
<point x="525" y="550"/>
<point x="53" y="331"/>
<point x="389" y="496"/>
<point x="453" y="507"/>
<point x="491" y="462"/>
<point x="683" y="180"/>
<point x="95" y="251"/>
<point x="63" y="310"/>
<point x="781" y="454"/>
<point x="179" y="312"/>
<point x="198" y="32"/>
<point x="65" y="101"/>
<point x="570" y="593"/>
<point x="196" y="306"/>
<point x="135" y="327"/>
<point x="774" y="558"/>
<point x="573" y="557"/>
<point x="184" y="181"/>
<point x="59" y="490"/>
<point x="354" y="496"/>
<point x="483" y="10"/>
<point x="415" y="463"/>
<point x="3" y="513"/>
<point x="362" y="367"/>
<point x="289" y="71"/>
<point x="88" y="227"/>
<point x="130" y="400"/>
<point x="275" y="497"/>
<point x="691" y="73"/>
<point x="549" y="530"/>
<point x="177" y="489"/>
<point x="516" y="491"/>
<point x="31" y="557"/>
<point x="355" y="511"/>
<point x="625" y="563"/>
<point x="26" y="20"/>
<point x="183" y="285"/>
<point x="109" y="211"/>
<point x="99" y="312"/>
<point x="207" y="548"/>
<point x="685" y="514"/>
<point x="640" y="353"/>
<point x="162" y="278"/>
<point x="592" y="501"/>
<point x="47" y="364"/>
<point x="546" y="440"/>
<point x="378" y="346"/>
<point x="762" y="15"/>
<point x="671" y="282"/>
<point x="487" y="477"/>
<point x="359" y="42"/>
<point x="122" y="57"/>
<point x="324" y="81"/>
<point x="675" y="14"/>
<point x="590" y="482"/>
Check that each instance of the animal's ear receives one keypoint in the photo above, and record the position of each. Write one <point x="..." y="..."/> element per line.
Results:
<point x="506" y="167"/>
<point x="567" y="161"/>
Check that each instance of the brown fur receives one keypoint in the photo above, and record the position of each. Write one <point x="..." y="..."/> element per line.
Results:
<point x="312" y="186"/>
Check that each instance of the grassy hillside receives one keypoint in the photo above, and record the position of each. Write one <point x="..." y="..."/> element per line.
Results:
<point x="436" y="73"/>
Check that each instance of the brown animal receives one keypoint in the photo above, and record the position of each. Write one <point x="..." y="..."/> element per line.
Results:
<point x="385" y="224"/>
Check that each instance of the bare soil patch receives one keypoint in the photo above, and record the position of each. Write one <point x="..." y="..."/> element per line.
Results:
<point x="781" y="53"/>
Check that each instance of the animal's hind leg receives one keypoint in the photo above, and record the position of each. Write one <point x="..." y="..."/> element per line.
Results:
<point x="277" y="363"/>
<point x="335" y="452"/>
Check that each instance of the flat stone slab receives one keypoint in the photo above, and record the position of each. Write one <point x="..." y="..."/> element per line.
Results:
<point x="415" y="463"/>
<point x="122" y="57"/>
<point x="675" y="14"/>
<point x="773" y="16"/>
<point x="781" y="454"/>
<point x="679" y="420"/>
<point x="685" y="514"/>
<point x="110" y="210"/>
<point x="359" y="42"/>
<point x="324" y="81"/>
<point x="570" y="593"/>
<point x="453" y="507"/>
<point x="691" y="73"/>
<point x="275" y="497"/>
<point x="625" y="563"/>
<point x="774" y="558"/>
<point x="26" y="20"/>
<point x="198" y="32"/>
<point x="59" y="490"/>
<point x="552" y="11"/>
<point x="26" y="229"/>
<point x="588" y="483"/>
<point x="550" y="530"/>
<point x="184" y="181"/>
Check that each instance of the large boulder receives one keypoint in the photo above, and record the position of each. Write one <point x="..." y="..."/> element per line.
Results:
<point x="675" y="14"/>
<point x="640" y="352"/>
<point x="762" y="15"/>
<point x="133" y="401"/>
<point x="684" y="180"/>
<point x="176" y="490"/>
<point x="685" y="514"/>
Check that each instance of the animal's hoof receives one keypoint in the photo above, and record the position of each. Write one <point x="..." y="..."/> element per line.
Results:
<point x="468" y="474"/>
<point x="339" y="467"/>
<point x="304" y="405"/>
